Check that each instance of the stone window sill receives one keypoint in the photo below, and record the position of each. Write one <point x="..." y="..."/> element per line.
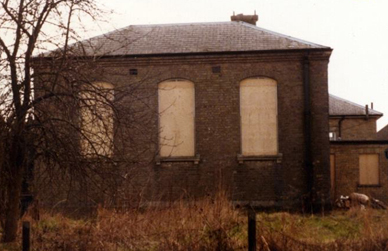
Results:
<point x="371" y="186"/>
<point x="241" y="158"/>
<point x="195" y="159"/>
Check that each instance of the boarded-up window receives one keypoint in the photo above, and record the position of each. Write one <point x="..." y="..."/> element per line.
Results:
<point x="97" y="120"/>
<point x="176" y="118"/>
<point x="258" y="111"/>
<point x="369" y="169"/>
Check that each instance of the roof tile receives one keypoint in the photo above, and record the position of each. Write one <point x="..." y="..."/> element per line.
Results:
<point x="190" y="38"/>
<point x="342" y="107"/>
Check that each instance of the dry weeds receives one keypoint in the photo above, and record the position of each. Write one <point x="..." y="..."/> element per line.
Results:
<point x="209" y="224"/>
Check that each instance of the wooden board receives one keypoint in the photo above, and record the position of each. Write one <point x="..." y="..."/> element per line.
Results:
<point x="369" y="169"/>
<point x="97" y="120"/>
<point x="176" y="118"/>
<point x="258" y="111"/>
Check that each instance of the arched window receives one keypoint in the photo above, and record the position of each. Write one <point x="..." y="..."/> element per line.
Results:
<point x="176" y="118"/>
<point x="259" y="111"/>
<point x="97" y="119"/>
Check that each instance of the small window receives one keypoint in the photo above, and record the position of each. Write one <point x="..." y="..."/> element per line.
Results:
<point x="216" y="69"/>
<point x="133" y="72"/>
<point x="369" y="169"/>
<point x="332" y="136"/>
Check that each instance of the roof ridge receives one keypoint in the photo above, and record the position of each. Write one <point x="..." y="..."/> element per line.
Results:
<point x="175" y="24"/>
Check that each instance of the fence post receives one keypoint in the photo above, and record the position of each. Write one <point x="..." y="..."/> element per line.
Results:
<point x="26" y="236"/>
<point x="251" y="229"/>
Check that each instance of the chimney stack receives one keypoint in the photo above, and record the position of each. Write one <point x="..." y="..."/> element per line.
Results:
<point x="250" y="19"/>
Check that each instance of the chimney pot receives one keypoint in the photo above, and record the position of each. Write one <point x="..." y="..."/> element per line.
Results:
<point x="250" y="19"/>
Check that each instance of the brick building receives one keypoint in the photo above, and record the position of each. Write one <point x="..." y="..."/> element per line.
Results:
<point x="357" y="155"/>
<point x="226" y="105"/>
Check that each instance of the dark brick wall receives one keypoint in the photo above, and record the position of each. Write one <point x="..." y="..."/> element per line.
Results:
<point x="279" y="182"/>
<point x="320" y="130"/>
<point x="217" y="132"/>
<point x="347" y="169"/>
<point x="355" y="128"/>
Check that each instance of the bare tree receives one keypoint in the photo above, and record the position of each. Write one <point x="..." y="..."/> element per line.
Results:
<point x="51" y="105"/>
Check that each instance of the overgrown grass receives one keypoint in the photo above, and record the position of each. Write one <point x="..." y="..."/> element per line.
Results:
<point x="340" y="230"/>
<point x="208" y="225"/>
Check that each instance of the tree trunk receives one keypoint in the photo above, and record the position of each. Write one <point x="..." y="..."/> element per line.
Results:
<point x="12" y="209"/>
<point x="14" y="170"/>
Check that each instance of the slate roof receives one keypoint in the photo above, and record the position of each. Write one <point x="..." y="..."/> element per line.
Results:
<point x="190" y="38"/>
<point x="383" y="133"/>
<point x="340" y="107"/>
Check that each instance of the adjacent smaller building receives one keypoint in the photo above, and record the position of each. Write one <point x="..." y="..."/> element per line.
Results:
<point x="357" y="154"/>
<point x="383" y="133"/>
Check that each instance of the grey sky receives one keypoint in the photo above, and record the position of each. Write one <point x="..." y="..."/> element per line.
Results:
<point x="357" y="30"/>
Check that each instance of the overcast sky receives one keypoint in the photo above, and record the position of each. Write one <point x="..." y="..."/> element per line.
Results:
<point x="357" y="30"/>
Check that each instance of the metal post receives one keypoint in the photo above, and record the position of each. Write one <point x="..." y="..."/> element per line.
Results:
<point x="251" y="229"/>
<point x="26" y="236"/>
